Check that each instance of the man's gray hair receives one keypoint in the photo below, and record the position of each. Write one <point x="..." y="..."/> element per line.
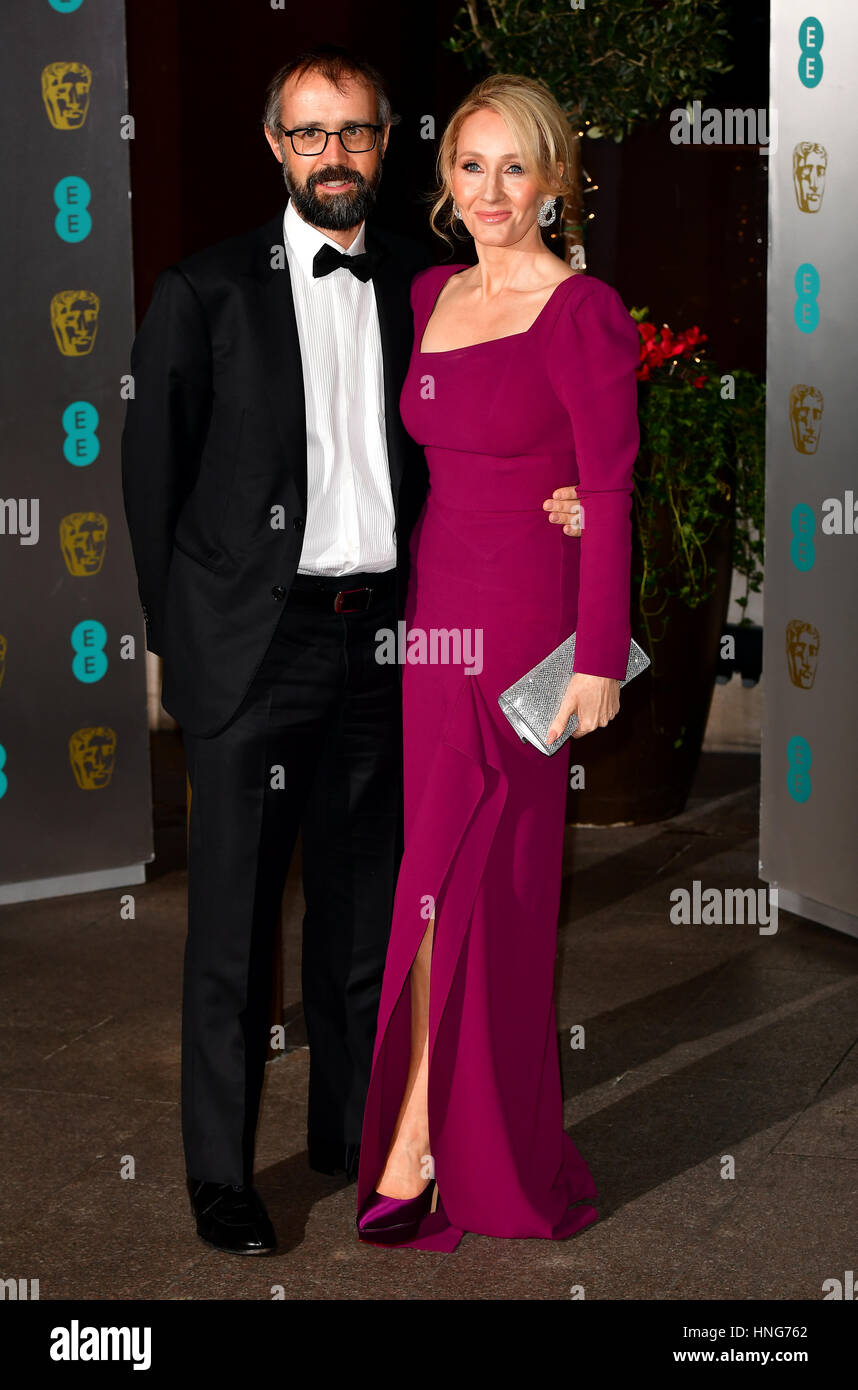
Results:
<point x="337" y="66"/>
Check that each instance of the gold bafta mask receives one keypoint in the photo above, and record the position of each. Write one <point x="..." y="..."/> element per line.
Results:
<point x="92" y="753"/>
<point x="809" y="163"/>
<point x="65" y="91"/>
<point x="802" y="649"/>
<point x="74" y="319"/>
<point x="3" y="650"/>
<point x="805" y="417"/>
<point x="83" y="540"/>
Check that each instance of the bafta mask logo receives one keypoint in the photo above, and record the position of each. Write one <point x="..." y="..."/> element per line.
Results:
<point x="65" y="91"/>
<point x="74" y="319"/>
<point x="802" y="649"/>
<point x="3" y="649"/>
<point x="805" y="417"/>
<point x="809" y="163"/>
<point x="83" y="541"/>
<point x="92" y="753"/>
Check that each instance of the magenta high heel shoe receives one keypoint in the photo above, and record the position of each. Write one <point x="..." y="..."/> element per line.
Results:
<point x="393" y="1220"/>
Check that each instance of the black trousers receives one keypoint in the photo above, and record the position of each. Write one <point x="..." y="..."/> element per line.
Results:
<point x="316" y="745"/>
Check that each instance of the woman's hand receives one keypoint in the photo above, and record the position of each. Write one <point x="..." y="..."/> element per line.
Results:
<point x="595" y="700"/>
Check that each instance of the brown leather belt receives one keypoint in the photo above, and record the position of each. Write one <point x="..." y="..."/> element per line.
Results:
<point x="346" y="593"/>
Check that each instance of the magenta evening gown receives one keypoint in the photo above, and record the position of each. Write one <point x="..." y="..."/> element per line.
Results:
<point x="503" y="423"/>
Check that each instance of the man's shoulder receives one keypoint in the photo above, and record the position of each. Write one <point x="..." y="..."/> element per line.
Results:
<point x="234" y="255"/>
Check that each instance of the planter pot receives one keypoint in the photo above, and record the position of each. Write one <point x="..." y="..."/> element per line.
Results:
<point x="640" y="768"/>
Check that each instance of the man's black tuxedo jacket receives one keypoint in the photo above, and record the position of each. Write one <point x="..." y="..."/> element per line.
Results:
<point x="215" y="437"/>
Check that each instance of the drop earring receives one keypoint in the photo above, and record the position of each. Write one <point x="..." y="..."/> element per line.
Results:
<point x="547" y="213"/>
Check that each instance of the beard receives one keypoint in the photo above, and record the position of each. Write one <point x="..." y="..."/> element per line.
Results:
<point x="333" y="212"/>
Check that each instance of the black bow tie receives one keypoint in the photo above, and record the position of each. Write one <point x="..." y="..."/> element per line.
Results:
<point x="327" y="258"/>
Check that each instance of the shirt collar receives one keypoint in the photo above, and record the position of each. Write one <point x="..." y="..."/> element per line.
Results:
<point x="305" y="240"/>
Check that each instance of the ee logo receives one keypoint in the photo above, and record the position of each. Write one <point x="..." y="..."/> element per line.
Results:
<point x="799" y="758"/>
<point x="802" y="551"/>
<point x="810" y="65"/>
<point x="65" y="6"/>
<point x="81" y="444"/>
<point x="88" y="639"/>
<point x="806" y="310"/>
<point x="4" y="780"/>
<point x="72" y="195"/>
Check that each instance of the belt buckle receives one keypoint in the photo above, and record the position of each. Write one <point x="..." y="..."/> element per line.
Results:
<point x="359" y="608"/>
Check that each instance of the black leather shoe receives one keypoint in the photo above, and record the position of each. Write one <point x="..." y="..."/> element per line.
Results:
<point x="336" y="1160"/>
<point x="231" y="1218"/>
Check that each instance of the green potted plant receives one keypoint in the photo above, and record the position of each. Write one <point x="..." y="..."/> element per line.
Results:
<point x="697" y="517"/>
<point x="610" y="66"/>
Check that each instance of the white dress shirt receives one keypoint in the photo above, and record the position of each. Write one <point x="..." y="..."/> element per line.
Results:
<point x="350" y="517"/>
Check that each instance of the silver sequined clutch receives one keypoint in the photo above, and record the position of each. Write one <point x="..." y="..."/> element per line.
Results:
<point x="532" y="702"/>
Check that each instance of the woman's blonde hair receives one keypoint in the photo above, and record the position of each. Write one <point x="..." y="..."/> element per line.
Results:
<point x="541" y="131"/>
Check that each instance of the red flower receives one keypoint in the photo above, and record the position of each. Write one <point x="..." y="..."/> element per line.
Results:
<point x="669" y="345"/>
<point x="658" y="347"/>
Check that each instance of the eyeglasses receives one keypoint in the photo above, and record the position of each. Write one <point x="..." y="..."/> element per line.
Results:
<point x="309" y="140"/>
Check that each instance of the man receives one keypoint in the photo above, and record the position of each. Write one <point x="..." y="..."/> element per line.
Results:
<point x="270" y="491"/>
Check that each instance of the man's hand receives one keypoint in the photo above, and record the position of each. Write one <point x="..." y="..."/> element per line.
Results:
<point x="595" y="700"/>
<point x="564" y="510"/>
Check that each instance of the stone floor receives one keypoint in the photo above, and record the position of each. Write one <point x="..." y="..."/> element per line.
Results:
<point x="716" y="1098"/>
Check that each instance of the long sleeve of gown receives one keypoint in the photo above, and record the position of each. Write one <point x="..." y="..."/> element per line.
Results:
<point x="593" y="354"/>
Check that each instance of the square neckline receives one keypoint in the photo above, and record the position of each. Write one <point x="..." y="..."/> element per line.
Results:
<point x="505" y="338"/>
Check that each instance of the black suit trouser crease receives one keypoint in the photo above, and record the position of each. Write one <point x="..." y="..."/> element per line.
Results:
<point x="315" y="746"/>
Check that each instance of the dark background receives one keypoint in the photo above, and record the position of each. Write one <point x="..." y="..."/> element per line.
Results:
<point x="681" y="229"/>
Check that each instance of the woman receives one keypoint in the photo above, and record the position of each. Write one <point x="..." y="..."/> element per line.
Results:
<point x="520" y="366"/>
